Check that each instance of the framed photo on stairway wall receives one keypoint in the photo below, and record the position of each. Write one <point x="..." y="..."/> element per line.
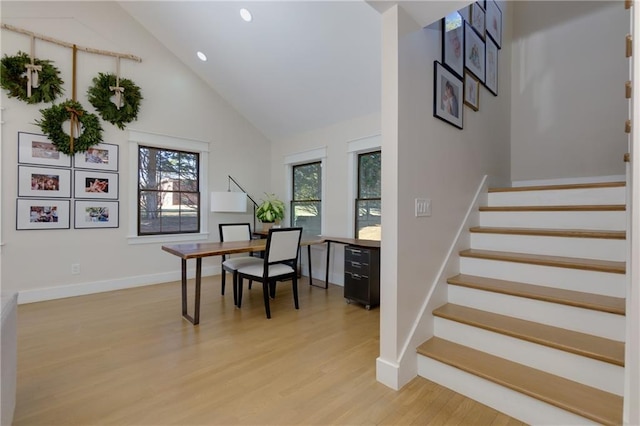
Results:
<point x="448" y="92"/>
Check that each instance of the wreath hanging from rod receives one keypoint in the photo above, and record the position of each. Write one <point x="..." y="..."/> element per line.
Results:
<point x="125" y="105"/>
<point x="85" y="129"/>
<point x="30" y="79"/>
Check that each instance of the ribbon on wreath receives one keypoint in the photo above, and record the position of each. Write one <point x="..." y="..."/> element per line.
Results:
<point x="74" y="125"/>
<point x="118" y="91"/>
<point x="33" y="79"/>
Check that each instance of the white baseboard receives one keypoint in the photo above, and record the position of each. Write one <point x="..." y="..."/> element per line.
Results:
<point x="569" y="181"/>
<point x="60" y="292"/>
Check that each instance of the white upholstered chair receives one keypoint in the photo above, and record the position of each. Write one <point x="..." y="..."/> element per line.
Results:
<point x="279" y="264"/>
<point x="231" y="263"/>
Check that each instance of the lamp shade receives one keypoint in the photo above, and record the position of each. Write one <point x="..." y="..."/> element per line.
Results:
<point x="229" y="202"/>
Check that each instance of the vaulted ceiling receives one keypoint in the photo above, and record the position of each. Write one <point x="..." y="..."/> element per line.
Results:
<point x="297" y="66"/>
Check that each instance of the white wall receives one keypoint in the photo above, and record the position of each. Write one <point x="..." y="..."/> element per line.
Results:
<point x="568" y="105"/>
<point x="427" y="158"/>
<point x="176" y="103"/>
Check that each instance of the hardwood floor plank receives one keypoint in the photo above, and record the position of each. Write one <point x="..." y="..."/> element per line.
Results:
<point x="128" y="358"/>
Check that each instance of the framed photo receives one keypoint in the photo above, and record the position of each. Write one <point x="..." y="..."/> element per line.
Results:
<point x="38" y="149"/>
<point x="42" y="213"/>
<point x="44" y="182"/>
<point x="471" y="91"/>
<point x="447" y="92"/>
<point x="491" y="80"/>
<point x="453" y="42"/>
<point x="473" y="52"/>
<point x="494" y="22"/>
<point x="103" y="156"/>
<point x="478" y="18"/>
<point x="465" y="13"/>
<point x="90" y="184"/>
<point x="96" y="214"/>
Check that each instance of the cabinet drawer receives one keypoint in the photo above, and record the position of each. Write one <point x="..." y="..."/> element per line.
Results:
<point x="356" y="267"/>
<point x="356" y="287"/>
<point x="356" y="254"/>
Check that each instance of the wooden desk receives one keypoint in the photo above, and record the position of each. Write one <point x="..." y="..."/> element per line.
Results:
<point x="199" y="250"/>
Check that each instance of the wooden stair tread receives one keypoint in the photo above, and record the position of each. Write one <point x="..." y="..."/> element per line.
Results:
<point x="563" y="208"/>
<point x="545" y="260"/>
<point x="571" y="233"/>
<point x="596" y="302"/>
<point x="583" y="344"/>
<point x="591" y="403"/>
<point x="558" y="187"/>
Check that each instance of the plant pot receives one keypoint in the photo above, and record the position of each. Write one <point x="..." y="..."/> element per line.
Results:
<point x="266" y="226"/>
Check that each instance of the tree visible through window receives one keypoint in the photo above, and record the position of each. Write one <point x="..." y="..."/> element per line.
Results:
<point x="168" y="191"/>
<point x="307" y="198"/>
<point x="368" y="204"/>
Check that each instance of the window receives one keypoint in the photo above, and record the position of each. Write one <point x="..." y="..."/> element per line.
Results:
<point x="168" y="191"/>
<point x="368" y="202"/>
<point x="306" y="203"/>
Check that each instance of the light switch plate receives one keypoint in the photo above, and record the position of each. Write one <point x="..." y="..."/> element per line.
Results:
<point x="423" y="207"/>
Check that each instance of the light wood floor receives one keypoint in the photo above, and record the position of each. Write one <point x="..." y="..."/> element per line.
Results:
<point x="128" y="358"/>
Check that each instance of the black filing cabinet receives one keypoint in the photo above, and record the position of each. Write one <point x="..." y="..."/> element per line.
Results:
<point x="362" y="276"/>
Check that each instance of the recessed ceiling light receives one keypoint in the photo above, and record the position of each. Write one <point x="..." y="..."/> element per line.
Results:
<point x="246" y="15"/>
<point x="202" y="56"/>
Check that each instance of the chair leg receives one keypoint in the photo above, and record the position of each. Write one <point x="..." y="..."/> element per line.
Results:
<point x="272" y="289"/>
<point x="222" y="280"/>
<point x="235" y="288"/>
<point x="265" y="292"/>
<point x="294" y="284"/>
<point x="239" y="286"/>
<point x="250" y="282"/>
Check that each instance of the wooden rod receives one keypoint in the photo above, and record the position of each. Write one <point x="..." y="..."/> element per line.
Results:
<point x="70" y="45"/>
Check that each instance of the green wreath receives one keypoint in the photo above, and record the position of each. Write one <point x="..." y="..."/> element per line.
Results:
<point x="13" y="79"/>
<point x="100" y="97"/>
<point x="51" y="125"/>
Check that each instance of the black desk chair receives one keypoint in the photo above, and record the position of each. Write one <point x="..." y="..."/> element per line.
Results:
<point x="231" y="264"/>
<point x="279" y="264"/>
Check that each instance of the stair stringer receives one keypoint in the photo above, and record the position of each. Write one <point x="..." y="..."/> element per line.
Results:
<point x="405" y="368"/>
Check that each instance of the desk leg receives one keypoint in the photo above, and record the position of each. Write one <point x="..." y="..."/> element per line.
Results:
<point x="326" y="275"/>
<point x="195" y="320"/>
<point x="326" y="285"/>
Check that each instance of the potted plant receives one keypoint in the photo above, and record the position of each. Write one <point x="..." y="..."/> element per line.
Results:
<point x="270" y="211"/>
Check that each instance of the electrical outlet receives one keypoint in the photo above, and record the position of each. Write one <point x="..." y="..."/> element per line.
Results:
<point x="75" y="268"/>
<point x="423" y="207"/>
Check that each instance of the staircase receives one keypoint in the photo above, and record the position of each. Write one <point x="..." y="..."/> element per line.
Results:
<point x="535" y="321"/>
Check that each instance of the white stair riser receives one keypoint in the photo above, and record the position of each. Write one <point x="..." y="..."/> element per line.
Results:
<point x="602" y="324"/>
<point x="592" y="220"/>
<point x="588" y="371"/>
<point x="588" y="248"/>
<point x="512" y="403"/>
<point x="604" y="283"/>
<point x="560" y="197"/>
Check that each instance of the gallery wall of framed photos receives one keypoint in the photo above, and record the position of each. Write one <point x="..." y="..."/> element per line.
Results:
<point x="55" y="189"/>
<point x="471" y="43"/>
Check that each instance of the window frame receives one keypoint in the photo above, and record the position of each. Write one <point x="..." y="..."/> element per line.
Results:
<point x="137" y="139"/>
<point x="354" y="148"/>
<point x="358" y="189"/>
<point x="311" y="156"/>
<point x="316" y="200"/>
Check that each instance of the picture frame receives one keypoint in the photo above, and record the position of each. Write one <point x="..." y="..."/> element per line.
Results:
<point x="96" y="214"/>
<point x="491" y="66"/>
<point x="453" y="42"/>
<point x="471" y="91"/>
<point x="494" y="22"/>
<point x="477" y="20"/>
<point x="474" y="53"/>
<point x="447" y="92"/>
<point x="103" y="156"/>
<point x="42" y="213"/>
<point x="47" y="182"/>
<point x="465" y="13"/>
<point x="93" y="184"/>
<point x="37" y="149"/>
